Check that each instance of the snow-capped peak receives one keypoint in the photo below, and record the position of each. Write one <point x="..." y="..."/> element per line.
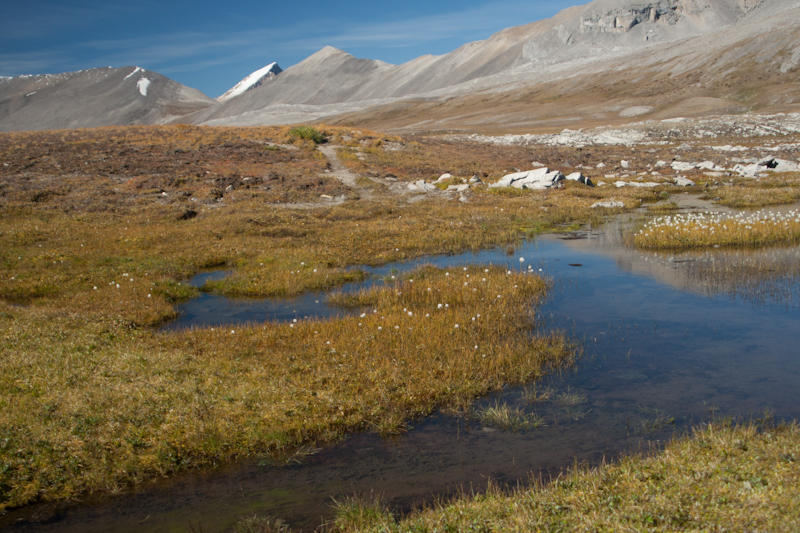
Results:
<point x="253" y="80"/>
<point x="135" y="70"/>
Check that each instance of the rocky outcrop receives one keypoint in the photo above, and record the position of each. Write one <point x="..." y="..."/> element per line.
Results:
<point x="621" y="20"/>
<point x="768" y="164"/>
<point x="539" y="179"/>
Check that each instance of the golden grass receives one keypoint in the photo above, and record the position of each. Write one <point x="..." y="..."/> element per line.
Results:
<point x="722" y="479"/>
<point x="699" y="230"/>
<point x="502" y="416"/>
<point x="96" y="245"/>
<point x="94" y="400"/>
<point x="747" y="197"/>
<point x="751" y="193"/>
<point x="98" y="405"/>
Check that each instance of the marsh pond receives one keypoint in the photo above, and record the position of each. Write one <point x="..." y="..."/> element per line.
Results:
<point x="669" y="341"/>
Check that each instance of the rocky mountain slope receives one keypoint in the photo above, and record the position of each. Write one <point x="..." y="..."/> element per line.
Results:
<point x="749" y="66"/>
<point x="595" y="40"/>
<point x="606" y="61"/>
<point x="95" y="97"/>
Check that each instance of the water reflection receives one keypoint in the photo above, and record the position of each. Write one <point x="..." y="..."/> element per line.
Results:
<point x="758" y="275"/>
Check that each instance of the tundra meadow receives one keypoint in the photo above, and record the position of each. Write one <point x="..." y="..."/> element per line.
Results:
<point x="100" y="231"/>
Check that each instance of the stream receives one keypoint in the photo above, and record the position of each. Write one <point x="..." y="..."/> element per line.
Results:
<point x="670" y="341"/>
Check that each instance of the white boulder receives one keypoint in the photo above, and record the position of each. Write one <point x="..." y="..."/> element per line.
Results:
<point x="421" y="186"/>
<point x="608" y="204"/>
<point x="540" y="178"/>
<point x="580" y="178"/>
<point x="768" y="164"/>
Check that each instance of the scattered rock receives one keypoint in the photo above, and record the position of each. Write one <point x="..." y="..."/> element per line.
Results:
<point x="608" y="204"/>
<point x="749" y="171"/>
<point x="580" y="178"/>
<point x="681" y="166"/>
<point x="729" y="148"/>
<point x="421" y="186"/>
<point x="768" y="164"/>
<point x="620" y="183"/>
<point x="779" y="165"/>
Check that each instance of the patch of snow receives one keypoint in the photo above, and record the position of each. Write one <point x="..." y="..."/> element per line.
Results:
<point x="247" y="83"/>
<point x="142" y="85"/>
<point x="137" y="69"/>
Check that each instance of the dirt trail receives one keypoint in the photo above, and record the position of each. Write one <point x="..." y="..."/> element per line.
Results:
<point x="342" y="173"/>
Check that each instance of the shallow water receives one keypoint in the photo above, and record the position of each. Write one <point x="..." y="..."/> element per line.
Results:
<point x="667" y="345"/>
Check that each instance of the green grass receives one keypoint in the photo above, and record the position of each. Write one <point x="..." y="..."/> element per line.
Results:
<point x="308" y="133"/>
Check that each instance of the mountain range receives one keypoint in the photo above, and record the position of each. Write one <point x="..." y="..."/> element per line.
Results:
<point x="606" y="61"/>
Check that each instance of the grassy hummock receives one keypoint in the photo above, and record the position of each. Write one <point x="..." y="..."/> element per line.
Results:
<point x="698" y="230"/>
<point x="100" y="405"/>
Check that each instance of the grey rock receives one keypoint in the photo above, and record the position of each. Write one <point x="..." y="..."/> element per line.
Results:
<point x="95" y="97"/>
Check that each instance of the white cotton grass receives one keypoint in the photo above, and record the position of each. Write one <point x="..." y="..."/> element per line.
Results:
<point x="725" y="229"/>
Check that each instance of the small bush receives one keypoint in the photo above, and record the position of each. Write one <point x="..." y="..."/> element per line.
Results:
<point x="308" y="133"/>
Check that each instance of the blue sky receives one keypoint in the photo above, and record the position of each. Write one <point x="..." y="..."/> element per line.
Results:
<point x="211" y="46"/>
